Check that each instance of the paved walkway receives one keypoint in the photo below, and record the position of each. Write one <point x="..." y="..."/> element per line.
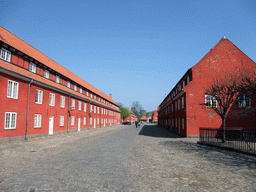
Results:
<point x="122" y="158"/>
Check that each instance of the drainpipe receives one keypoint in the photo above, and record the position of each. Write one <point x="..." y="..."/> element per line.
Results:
<point x="68" y="111"/>
<point x="26" y="132"/>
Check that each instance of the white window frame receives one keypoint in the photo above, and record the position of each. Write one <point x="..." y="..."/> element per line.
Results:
<point x="79" y="105"/>
<point x="98" y="110"/>
<point x="184" y="83"/>
<point x="244" y="101"/>
<point x="37" y="121"/>
<point x="32" y="67"/>
<point x="52" y="100"/>
<point x="95" y="109"/>
<point x="91" y="95"/>
<point x="87" y="94"/>
<point x="68" y="84"/>
<point x="6" y="55"/>
<point x="84" y="120"/>
<point x="98" y="121"/>
<point x="39" y="96"/>
<point x="75" y="87"/>
<point x="12" y="89"/>
<point x="95" y="97"/>
<point x="72" y="120"/>
<point x="61" y="120"/>
<point x="46" y="74"/>
<point x="81" y="90"/>
<point x="73" y="104"/>
<point x="210" y="101"/>
<point x="90" y="120"/>
<point x="62" y="101"/>
<point x="9" y="124"/>
<point x="85" y="107"/>
<point x="57" y="78"/>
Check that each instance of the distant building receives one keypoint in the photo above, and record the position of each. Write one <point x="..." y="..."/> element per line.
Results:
<point x="143" y="118"/>
<point x="149" y="118"/>
<point x="155" y="115"/>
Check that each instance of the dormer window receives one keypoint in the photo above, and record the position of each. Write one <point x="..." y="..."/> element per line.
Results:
<point x="187" y="79"/>
<point x="81" y="90"/>
<point x="87" y="93"/>
<point x="183" y="84"/>
<point x="75" y="87"/>
<point x="57" y="79"/>
<point x="68" y="84"/>
<point x="32" y="67"/>
<point x="5" y="55"/>
<point x="46" y="74"/>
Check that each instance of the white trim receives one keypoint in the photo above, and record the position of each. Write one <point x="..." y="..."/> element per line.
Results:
<point x="12" y="89"/>
<point x="52" y="100"/>
<point x="6" y="55"/>
<point x="37" y="121"/>
<point x="72" y="120"/>
<point x="57" y="78"/>
<point x="61" y="120"/>
<point x="32" y="67"/>
<point x="39" y="96"/>
<point x="62" y="101"/>
<point x="46" y="74"/>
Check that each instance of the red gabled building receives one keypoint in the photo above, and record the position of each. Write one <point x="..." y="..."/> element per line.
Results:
<point x="39" y="96"/>
<point x="132" y="118"/>
<point x="155" y="115"/>
<point x="182" y="110"/>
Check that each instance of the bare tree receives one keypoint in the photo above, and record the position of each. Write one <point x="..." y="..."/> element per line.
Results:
<point x="136" y="107"/>
<point x="248" y="83"/>
<point x="221" y="95"/>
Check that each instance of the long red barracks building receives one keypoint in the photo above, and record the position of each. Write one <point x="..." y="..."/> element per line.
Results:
<point x="181" y="111"/>
<point x="39" y="96"/>
<point x="132" y="118"/>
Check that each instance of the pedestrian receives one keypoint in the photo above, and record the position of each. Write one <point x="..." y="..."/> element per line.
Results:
<point x="136" y="123"/>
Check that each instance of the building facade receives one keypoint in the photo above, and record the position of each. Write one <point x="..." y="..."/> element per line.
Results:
<point x="182" y="111"/>
<point x="39" y="96"/>
<point x="155" y="115"/>
<point x="132" y="118"/>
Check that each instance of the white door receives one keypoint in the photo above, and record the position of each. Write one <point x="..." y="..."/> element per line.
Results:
<point x="94" y="122"/>
<point x="79" y="122"/>
<point x="51" y="125"/>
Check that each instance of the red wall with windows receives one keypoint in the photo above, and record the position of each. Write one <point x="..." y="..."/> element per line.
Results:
<point x="224" y="58"/>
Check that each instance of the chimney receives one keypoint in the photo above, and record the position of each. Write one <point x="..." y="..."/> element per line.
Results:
<point x="110" y="95"/>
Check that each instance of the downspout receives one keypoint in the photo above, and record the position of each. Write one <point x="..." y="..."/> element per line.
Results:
<point x="68" y="111"/>
<point x="26" y="132"/>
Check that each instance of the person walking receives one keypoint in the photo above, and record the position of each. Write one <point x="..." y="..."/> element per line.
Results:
<point x="136" y="123"/>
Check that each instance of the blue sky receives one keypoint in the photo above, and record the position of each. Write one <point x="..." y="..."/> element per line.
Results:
<point x="133" y="49"/>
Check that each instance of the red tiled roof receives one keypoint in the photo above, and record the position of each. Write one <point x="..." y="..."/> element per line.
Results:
<point x="34" y="76"/>
<point x="12" y="40"/>
<point x="143" y="118"/>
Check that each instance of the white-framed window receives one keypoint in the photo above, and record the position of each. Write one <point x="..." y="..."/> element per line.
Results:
<point x="10" y="120"/>
<point x="187" y="79"/>
<point x="32" y="67"/>
<point x="91" y="108"/>
<point x="62" y="101"/>
<point x="182" y="102"/>
<point x="87" y="93"/>
<point x="95" y="109"/>
<point x="39" y="96"/>
<point x="73" y="104"/>
<point x="81" y="90"/>
<point x="90" y="120"/>
<point x="91" y="95"/>
<point x="75" y="87"/>
<point x="5" y="55"/>
<point x="68" y="84"/>
<point x="98" y="120"/>
<point x="95" y="97"/>
<point x="244" y="101"/>
<point x="179" y="104"/>
<point x="46" y="74"/>
<point x="57" y="78"/>
<point x="72" y="120"/>
<point x="52" y="100"/>
<point x="99" y="98"/>
<point x="84" y="107"/>
<point x="12" y="89"/>
<point x="183" y="84"/>
<point x="37" y="121"/>
<point x="101" y="110"/>
<point x="98" y="110"/>
<point x="210" y="101"/>
<point x="84" y="120"/>
<point x="79" y="105"/>
<point x="61" y="120"/>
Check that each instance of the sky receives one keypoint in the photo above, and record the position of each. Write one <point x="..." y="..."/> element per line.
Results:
<point x="135" y="50"/>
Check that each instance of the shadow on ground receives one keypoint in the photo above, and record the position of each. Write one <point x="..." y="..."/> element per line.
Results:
<point x="156" y="131"/>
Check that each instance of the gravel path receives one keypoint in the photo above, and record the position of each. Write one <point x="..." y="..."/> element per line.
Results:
<point x="122" y="158"/>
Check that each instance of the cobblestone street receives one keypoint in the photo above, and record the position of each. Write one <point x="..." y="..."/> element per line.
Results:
<point x="122" y="158"/>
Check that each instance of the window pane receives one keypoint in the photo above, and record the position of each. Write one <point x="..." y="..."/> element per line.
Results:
<point x="7" y="120"/>
<point x="13" y="120"/>
<point x="9" y="92"/>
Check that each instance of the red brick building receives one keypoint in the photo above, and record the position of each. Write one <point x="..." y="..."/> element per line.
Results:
<point x="132" y="118"/>
<point x="155" y="115"/>
<point x="39" y="96"/>
<point x="182" y="110"/>
<point x="143" y="118"/>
